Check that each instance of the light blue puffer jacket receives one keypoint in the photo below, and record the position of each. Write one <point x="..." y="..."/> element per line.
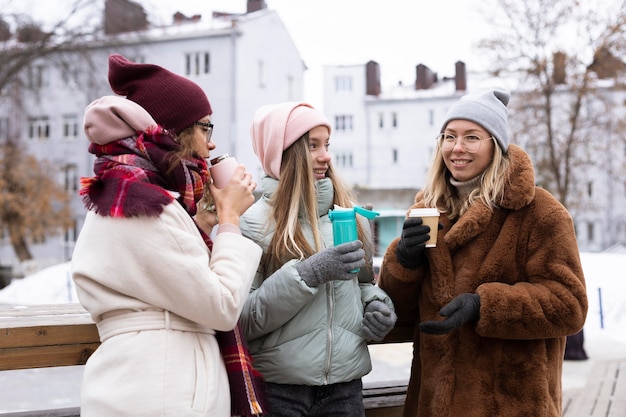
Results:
<point x="298" y="334"/>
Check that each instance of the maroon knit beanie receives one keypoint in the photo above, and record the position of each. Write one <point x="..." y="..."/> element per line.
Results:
<point x="173" y="101"/>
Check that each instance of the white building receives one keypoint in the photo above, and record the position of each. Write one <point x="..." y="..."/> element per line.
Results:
<point x="383" y="142"/>
<point x="241" y="61"/>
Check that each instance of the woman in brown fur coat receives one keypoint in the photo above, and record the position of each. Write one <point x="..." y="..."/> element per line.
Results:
<point x="497" y="296"/>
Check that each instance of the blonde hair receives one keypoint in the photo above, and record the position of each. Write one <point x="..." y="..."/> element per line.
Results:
<point x="439" y="193"/>
<point x="295" y="201"/>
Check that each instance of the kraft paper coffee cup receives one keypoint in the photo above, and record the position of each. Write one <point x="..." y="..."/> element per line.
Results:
<point x="430" y="217"/>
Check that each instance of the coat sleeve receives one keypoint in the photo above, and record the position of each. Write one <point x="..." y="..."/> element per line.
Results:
<point x="163" y="263"/>
<point x="548" y="297"/>
<point x="274" y="301"/>
<point x="402" y="285"/>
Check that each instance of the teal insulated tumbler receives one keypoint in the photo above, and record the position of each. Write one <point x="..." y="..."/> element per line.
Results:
<point x="344" y="223"/>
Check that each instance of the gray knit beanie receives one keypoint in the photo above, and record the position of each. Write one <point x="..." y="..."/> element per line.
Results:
<point x="488" y="109"/>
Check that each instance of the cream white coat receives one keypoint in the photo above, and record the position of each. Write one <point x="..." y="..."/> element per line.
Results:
<point x="157" y="296"/>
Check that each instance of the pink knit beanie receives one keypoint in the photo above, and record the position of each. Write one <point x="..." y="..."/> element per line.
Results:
<point x="276" y="127"/>
<point x="173" y="101"/>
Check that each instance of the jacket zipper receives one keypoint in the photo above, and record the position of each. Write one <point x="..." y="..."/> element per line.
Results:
<point x="330" y="291"/>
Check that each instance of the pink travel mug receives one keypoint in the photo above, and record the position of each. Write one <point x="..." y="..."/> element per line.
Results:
<point x="222" y="169"/>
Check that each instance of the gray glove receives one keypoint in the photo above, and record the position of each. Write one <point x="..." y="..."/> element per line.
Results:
<point x="378" y="320"/>
<point x="462" y="309"/>
<point x="332" y="264"/>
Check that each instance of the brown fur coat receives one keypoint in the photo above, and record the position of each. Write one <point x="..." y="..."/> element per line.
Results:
<point x="523" y="261"/>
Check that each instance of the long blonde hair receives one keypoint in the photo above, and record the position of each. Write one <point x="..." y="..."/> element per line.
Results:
<point x="439" y="193"/>
<point x="295" y="201"/>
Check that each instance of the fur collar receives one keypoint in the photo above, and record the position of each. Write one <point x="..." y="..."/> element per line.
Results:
<point x="517" y="194"/>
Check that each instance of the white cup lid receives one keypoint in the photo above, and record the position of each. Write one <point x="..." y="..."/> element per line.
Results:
<point x="424" y="212"/>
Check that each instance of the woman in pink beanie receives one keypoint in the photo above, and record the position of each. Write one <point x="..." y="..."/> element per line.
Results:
<point x="165" y="297"/>
<point x="308" y="316"/>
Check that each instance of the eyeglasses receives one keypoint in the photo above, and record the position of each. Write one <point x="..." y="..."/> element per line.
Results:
<point x="208" y="129"/>
<point x="471" y="143"/>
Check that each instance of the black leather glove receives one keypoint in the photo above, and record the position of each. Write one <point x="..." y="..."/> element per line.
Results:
<point x="410" y="249"/>
<point x="336" y="263"/>
<point x="463" y="308"/>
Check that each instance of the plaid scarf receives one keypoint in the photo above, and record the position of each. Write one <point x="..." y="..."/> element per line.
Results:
<point x="132" y="179"/>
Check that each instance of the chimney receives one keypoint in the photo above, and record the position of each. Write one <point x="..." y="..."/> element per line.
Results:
<point x="606" y="65"/>
<point x="424" y="77"/>
<point x="372" y="78"/>
<point x="558" y="73"/>
<point x="5" y="31"/>
<point x="460" y="76"/>
<point x="124" y="16"/>
<point x="180" y="18"/>
<point x="255" y="5"/>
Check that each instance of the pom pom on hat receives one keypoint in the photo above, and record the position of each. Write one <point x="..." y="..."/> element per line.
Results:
<point x="486" y="108"/>
<point x="172" y="100"/>
<point x="276" y="127"/>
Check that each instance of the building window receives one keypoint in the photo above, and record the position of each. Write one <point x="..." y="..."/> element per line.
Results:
<point x="343" y="123"/>
<point x="71" y="177"/>
<point x="343" y="160"/>
<point x="38" y="76"/>
<point x="261" y="74"/>
<point x="71" y="234"/>
<point x="395" y="155"/>
<point x="39" y="128"/>
<point x="394" y="119"/>
<point x="381" y="120"/>
<point x="197" y="63"/>
<point x="290" y="87"/>
<point x="590" y="189"/>
<point x="139" y="59"/>
<point x="207" y="63"/>
<point x="431" y="117"/>
<point x="343" y="83"/>
<point x="70" y="75"/>
<point x="70" y="126"/>
<point x="590" y="232"/>
<point x="4" y="128"/>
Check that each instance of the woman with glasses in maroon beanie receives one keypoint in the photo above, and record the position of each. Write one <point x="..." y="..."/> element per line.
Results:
<point x="493" y="301"/>
<point x="164" y="296"/>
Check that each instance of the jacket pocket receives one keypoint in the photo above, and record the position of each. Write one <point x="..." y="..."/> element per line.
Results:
<point x="201" y="385"/>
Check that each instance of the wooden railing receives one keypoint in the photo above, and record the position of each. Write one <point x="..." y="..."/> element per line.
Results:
<point x="64" y="335"/>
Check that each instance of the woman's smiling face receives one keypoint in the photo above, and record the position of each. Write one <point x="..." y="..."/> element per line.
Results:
<point x="464" y="165"/>
<point x="319" y="141"/>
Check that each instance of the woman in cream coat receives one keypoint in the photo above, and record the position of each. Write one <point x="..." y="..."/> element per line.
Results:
<point x="143" y="264"/>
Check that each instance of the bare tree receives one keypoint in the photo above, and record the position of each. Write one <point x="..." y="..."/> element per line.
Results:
<point x="565" y="110"/>
<point x="33" y="205"/>
<point x="562" y="52"/>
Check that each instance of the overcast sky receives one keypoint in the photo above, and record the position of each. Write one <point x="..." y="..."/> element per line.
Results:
<point x="398" y="34"/>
